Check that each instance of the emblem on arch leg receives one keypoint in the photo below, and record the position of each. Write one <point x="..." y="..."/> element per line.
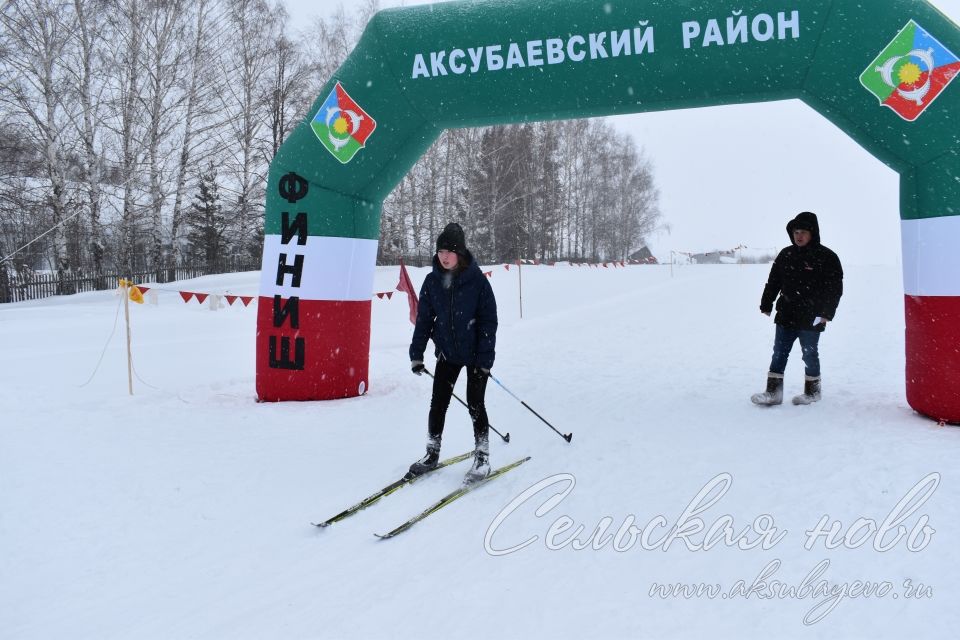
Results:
<point x="341" y="125"/>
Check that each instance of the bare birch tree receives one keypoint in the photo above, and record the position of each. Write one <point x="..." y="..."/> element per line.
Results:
<point x="165" y="51"/>
<point x="32" y="81"/>
<point x="87" y="77"/>
<point x="125" y="56"/>
<point x="200" y="115"/>
<point x="289" y="96"/>
<point x="246" y="59"/>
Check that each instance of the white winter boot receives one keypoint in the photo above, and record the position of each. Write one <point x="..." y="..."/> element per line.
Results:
<point x="811" y="391"/>
<point x="774" y="393"/>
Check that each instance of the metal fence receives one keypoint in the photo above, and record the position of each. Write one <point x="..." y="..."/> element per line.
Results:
<point x="33" y="286"/>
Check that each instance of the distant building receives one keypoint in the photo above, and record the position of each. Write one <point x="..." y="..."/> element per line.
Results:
<point x="643" y="256"/>
<point x="714" y="257"/>
<point x="740" y="255"/>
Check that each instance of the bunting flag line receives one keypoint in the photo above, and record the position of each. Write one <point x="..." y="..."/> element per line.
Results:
<point x="187" y="296"/>
<point x="246" y="300"/>
<point x="138" y="293"/>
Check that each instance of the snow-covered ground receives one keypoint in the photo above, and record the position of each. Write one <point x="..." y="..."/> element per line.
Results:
<point x="184" y="511"/>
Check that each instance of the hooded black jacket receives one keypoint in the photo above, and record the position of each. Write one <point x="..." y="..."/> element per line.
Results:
<point x="808" y="280"/>
<point x="459" y="312"/>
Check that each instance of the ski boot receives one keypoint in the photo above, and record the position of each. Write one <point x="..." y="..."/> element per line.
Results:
<point x="481" y="462"/>
<point x="811" y="391"/>
<point x="429" y="461"/>
<point x="774" y="393"/>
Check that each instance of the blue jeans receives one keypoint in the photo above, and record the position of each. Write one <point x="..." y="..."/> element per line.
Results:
<point x="783" y="343"/>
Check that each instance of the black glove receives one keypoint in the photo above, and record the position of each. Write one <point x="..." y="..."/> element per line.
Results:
<point x="417" y="367"/>
<point x="484" y="372"/>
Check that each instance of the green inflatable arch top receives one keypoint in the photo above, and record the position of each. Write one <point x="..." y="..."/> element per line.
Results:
<point x="880" y="71"/>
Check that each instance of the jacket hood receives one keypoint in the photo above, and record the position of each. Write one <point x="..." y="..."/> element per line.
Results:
<point x="805" y="220"/>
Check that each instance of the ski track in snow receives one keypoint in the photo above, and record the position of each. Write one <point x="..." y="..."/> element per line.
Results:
<point x="184" y="511"/>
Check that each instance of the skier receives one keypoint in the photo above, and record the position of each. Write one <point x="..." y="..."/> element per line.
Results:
<point x="459" y="312"/>
<point x="808" y="278"/>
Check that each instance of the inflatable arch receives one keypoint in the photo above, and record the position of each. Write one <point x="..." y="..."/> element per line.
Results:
<point x="880" y="71"/>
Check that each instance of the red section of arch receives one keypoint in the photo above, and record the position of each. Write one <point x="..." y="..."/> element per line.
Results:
<point x="933" y="356"/>
<point x="336" y="340"/>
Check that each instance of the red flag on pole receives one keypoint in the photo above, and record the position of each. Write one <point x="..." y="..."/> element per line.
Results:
<point x="406" y="285"/>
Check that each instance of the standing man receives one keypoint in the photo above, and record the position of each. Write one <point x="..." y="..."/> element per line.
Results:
<point x="458" y="311"/>
<point x="808" y="279"/>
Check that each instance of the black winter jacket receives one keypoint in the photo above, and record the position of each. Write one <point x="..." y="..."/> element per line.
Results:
<point x="808" y="280"/>
<point x="459" y="312"/>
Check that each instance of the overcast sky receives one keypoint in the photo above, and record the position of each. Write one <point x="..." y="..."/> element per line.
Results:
<point x="735" y="174"/>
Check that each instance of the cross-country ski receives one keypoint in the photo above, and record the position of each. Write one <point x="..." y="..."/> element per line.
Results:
<point x="450" y="497"/>
<point x="408" y="478"/>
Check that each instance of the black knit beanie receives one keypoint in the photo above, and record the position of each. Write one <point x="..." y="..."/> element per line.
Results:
<point x="452" y="239"/>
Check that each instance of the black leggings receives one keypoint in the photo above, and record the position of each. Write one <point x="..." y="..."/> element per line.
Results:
<point x="445" y="377"/>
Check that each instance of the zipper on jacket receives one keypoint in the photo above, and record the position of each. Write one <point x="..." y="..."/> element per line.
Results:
<point x="453" y="332"/>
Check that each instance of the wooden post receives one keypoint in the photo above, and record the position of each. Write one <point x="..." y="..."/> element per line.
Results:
<point x="125" y="285"/>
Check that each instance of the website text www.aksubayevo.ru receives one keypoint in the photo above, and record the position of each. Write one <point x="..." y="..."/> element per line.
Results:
<point x="826" y="595"/>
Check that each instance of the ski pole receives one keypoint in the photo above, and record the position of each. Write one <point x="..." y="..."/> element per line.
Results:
<point x="566" y="437"/>
<point x="506" y="438"/>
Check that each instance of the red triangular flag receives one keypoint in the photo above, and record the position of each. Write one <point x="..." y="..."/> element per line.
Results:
<point x="246" y="300"/>
<point x="186" y="295"/>
<point x="379" y="295"/>
<point x="201" y="297"/>
<point x="507" y="267"/>
<point x="406" y="286"/>
<point x="142" y="288"/>
<point x="489" y="274"/>
<point x="230" y="299"/>
<point x="389" y="295"/>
